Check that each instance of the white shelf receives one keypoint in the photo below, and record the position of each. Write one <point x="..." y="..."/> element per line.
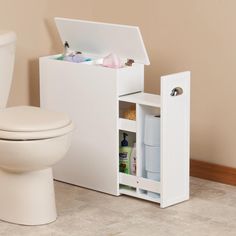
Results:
<point x="142" y="99"/>
<point x="133" y="193"/>
<point x="127" y="125"/>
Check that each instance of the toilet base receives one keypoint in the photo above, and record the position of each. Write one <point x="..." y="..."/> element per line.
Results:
<point x="27" y="198"/>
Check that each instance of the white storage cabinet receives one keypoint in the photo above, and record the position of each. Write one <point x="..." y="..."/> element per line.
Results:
<point x="94" y="96"/>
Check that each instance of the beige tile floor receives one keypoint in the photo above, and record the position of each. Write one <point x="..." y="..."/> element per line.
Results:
<point x="210" y="211"/>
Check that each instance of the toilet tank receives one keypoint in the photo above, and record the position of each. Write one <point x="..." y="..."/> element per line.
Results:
<point x="7" y="57"/>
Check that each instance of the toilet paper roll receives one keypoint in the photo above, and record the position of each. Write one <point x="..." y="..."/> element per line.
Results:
<point x="152" y="158"/>
<point x="152" y="131"/>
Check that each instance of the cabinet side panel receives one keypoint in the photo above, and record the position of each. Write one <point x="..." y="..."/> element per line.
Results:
<point x="89" y="95"/>
<point x="175" y="117"/>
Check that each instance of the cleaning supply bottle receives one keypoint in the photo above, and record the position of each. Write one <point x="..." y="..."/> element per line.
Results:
<point x="124" y="155"/>
<point x="133" y="160"/>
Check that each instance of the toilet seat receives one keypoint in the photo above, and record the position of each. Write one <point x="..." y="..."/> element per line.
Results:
<point x="32" y="123"/>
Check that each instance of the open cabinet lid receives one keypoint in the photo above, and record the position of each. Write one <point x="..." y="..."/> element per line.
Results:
<point x="102" y="38"/>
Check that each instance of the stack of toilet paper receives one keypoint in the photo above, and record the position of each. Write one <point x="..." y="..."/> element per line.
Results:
<point x="152" y="149"/>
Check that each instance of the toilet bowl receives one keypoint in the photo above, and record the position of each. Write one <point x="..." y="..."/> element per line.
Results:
<point x="32" y="140"/>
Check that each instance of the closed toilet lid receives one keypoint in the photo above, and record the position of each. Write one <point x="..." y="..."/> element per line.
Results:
<point x="27" y="122"/>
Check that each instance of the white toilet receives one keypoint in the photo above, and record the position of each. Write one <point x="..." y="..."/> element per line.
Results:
<point x="32" y="140"/>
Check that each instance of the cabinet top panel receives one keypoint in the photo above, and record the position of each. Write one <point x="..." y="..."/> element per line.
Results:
<point x="102" y="38"/>
<point x="143" y="99"/>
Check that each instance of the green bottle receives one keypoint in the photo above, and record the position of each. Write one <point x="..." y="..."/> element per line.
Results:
<point x="124" y="156"/>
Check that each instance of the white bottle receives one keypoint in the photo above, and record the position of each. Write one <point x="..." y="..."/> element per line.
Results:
<point x="133" y="160"/>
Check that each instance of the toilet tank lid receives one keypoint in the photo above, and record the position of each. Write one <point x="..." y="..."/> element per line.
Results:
<point x="7" y="37"/>
<point x="31" y="119"/>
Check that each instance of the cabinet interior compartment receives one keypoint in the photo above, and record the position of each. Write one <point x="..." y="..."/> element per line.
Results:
<point x="138" y="185"/>
<point x="127" y="116"/>
<point x="131" y="139"/>
<point x="142" y="111"/>
<point x="126" y="110"/>
<point x="93" y="59"/>
<point x="149" y="186"/>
